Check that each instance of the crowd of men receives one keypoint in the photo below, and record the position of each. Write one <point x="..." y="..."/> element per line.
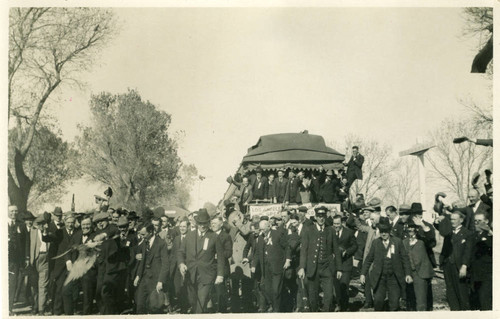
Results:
<point x="112" y="261"/>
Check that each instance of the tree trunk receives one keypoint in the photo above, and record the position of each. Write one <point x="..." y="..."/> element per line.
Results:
<point x="19" y="192"/>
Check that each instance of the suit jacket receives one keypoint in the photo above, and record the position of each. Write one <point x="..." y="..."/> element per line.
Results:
<point x="274" y="251"/>
<point x="354" y="167"/>
<point x="64" y="245"/>
<point x="271" y="189"/>
<point x="260" y="189"/>
<point x="347" y="244"/>
<point x="227" y="244"/>
<point x="457" y="248"/>
<point x="176" y="245"/>
<point x="198" y="254"/>
<point x="419" y="260"/>
<point x="155" y="260"/>
<point x="55" y="236"/>
<point x="482" y="261"/>
<point x="399" y="258"/>
<point x="328" y="191"/>
<point x="280" y="189"/>
<point x="246" y="194"/>
<point x="35" y="243"/>
<point x="292" y="191"/>
<point x="309" y="249"/>
<point x="315" y="190"/>
<point x="16" y="253"/>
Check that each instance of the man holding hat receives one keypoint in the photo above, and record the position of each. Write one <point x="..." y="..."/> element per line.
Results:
<point x="153" y="269"/>
<point x="197" y="260"/>
<point x="319" y="245"/>
<point x="391" y="268"/>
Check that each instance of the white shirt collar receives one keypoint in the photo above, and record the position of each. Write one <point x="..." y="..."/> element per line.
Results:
<point x="151" y="240"/>
<point x="476" y="206"/>
<point x="218" y="232"/>
<point x="319" y="227"/>
<point x="456" y="230"/>
<point x="394" y="222"/>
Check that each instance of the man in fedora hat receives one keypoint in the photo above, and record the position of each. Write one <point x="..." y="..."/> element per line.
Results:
<point x="391" y="268"/>
<point x="318" y="246"/>
<point x="197" y="260"/>
<point x="152" y="270"/>
<point x="328" y="191"/>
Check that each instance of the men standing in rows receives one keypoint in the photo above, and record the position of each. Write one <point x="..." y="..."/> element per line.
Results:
<point x="422" y="270"/>
<point x="220" y="298"/>
<point x="391" y="268"/>
<point x="328" y="191"/>
<point x="318" y="246"/>
<point x="196" y="259"/>
<point x="281" y="186"/>
<point x="272" y="257"/>
<point x="152" y="270"/>
<point x="482" y="263"/>
<point x="455" y="258"/>
<point x="354" y="166"/>
<point x="348" y="246"/>
<point x="260" y="187"/>
<point x="39" y="263"/>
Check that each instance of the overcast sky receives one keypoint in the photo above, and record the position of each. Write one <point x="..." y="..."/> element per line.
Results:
<point x="228" y="76"/>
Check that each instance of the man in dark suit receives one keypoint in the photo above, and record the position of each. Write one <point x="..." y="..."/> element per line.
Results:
<point x="328" y="191"/>
<point x="348" y="247"/>
<point x="15" y="256"/>
<point x="272" y="257"/>
<point x="179" y="281"/>
<point x="482" y="263"/>
<point x="55" y="228"/>
<point x="260" y="187"/>
<point x="281" y="186"/>
<point x="220" y="298"/>
<point x="354" y="166"/>
<point x="315" y="185"/>
<point x="292" y="189"/>
<point x="64" y="302"/>
<point x="476" y="205"/>
<point x="319" y="245"/>
<point x="88" y="280"/>
<point x="391" y="268"/>
<point x="271" y="189"/>
<point x="422" y="271"/>
<point x="196" y="259"/>
<point x="152" y="270"/>
<point x="246" y="194"/>
<point x="456" y="258"/>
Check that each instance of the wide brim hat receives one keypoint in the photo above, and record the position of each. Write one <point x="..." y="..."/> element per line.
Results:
<point x="384" y="225"/>
<point x="302" y="209"/>
<point x="132" y="215"/>
<point x="404" y="209"/>
<point x="202" y="216"/>
<point x="27" y="216"/>
<point x="57" y="211"/>
<point x="416" y="208"/>
<point x="258" y="170"/>
<point x="375" y="203"/>
<point x="122" y="221"/>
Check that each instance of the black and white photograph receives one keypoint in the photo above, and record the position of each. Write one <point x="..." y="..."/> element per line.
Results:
<point x="204" y="159"/>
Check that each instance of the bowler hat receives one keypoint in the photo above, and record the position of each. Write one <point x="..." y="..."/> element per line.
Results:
<point x="384" y="225"/>
<point x="57" y="211"/>
<point x="202" y="216"/>
<point x="416" y="208"/>
<point x="156" y="301"/>
<point x="43" y="218"/>
<point x="258" y="170"/>
<point x="132" y="215"/>
<point x="122" y="221"/>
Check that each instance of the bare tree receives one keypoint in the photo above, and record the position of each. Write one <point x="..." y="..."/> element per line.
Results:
<point x="47" y="47"/>
<point x="454" y="164"/>
<point x="403" y="181"/>
<point x="479" y="22"/>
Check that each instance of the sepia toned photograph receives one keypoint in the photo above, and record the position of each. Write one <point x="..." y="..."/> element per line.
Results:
<point x="223" y="160"/>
